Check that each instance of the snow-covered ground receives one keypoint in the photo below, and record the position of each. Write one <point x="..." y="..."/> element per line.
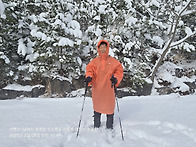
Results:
<point x="149" y="121"/>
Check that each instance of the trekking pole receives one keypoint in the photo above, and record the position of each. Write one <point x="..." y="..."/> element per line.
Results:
<point x="82" y="110"/>
<point x="115" y="91"/>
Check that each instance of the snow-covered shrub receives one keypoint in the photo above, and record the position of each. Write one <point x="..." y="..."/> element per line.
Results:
<point x="176" y="78"/>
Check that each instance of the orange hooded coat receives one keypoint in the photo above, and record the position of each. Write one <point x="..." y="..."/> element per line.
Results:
<point x="101" y="70"/>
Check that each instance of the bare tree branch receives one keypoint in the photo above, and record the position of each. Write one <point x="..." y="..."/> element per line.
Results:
<point x="188" y="3"/>
<point x="172" y="26"/>
<point x="182" y="40"/>
<point x="188" y="12"/>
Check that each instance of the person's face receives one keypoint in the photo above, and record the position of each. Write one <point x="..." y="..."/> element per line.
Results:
<point x="102" y="48"/>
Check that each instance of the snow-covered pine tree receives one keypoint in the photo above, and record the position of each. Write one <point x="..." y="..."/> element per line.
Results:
<point x="9" y="36"/>
<point x="55" y="36"/>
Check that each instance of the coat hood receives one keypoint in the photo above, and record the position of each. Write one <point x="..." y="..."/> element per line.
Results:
<point x="107" y="51"/>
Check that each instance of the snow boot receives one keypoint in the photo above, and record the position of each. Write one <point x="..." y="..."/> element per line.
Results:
<point x="97" y="119"/>
<point x="110" y="121"/>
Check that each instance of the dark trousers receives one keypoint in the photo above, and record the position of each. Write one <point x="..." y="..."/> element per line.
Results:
<point x="97" y="120"/>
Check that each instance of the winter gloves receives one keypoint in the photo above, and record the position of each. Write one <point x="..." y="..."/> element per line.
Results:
<point x="88" y="79"/>
<point x="114" y="80"/>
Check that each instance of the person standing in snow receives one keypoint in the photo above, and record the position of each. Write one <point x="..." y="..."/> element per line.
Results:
<point x="101" y="73"/>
